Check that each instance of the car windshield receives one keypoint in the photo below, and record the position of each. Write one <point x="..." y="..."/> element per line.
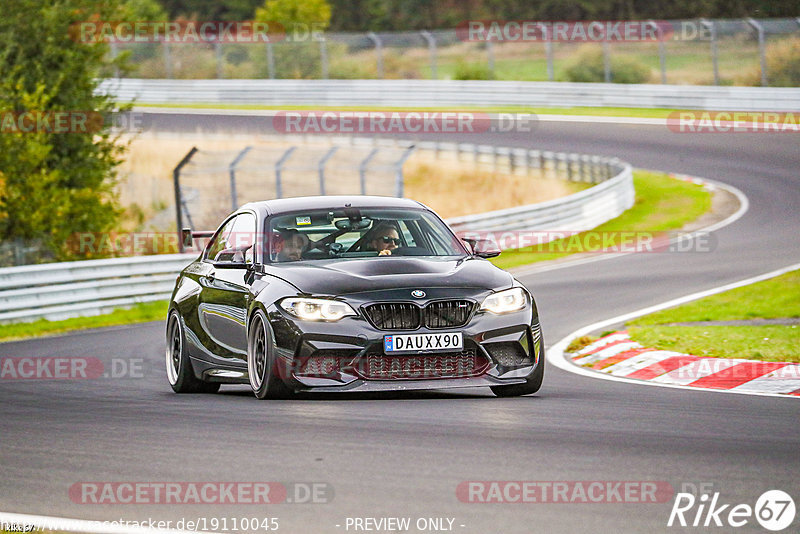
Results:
<point x="359" y="233"/>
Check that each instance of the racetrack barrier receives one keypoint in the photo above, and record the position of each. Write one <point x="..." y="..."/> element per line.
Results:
<point x="450" y="93"/>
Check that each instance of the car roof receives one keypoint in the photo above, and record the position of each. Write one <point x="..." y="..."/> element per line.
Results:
<point x="288" y="205"/>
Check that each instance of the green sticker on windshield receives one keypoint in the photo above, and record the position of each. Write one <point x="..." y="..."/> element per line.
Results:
<point x="302" y="221"/>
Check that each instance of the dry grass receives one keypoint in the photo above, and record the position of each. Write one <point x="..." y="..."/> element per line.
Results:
<point x="458" y="188"/>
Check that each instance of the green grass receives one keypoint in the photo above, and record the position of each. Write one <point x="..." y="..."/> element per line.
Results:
<point x="771" y="299"/>
<point x="662" y="204"/>
<point x="139" y="313"/>
<point x="767" y="343"/>
<point x="655" y="113"/>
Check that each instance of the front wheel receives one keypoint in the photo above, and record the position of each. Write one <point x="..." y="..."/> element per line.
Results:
<point x="261" y="361"/>
<point x="179" y="367"/>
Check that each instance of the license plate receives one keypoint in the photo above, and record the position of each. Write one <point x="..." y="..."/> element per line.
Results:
<point x="441" y="341"/>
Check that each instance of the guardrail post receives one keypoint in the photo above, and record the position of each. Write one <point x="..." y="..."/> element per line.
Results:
<point x="762" y="49"/>
<point x="548" y="50"/>
<point x="270" y="61"/>
<point x="167" y="64"/>
<point x="114" y="52"/>
<point x="662" y="59"/>
<point x="362" y="169"/>
<point x="398" y="170"/>
<point x="428" y="36"/>
<point x="490" y="55"/>
<point x="279" y="169"/>
<point x="709" y="24"/>
<point x="176" y="183"/>
<point x="232" y="172"/>
<point x="378" y="52"/>
<point x="321" y="166"/>
<point x="219" y="58"/>
<point x="323" y="57"/>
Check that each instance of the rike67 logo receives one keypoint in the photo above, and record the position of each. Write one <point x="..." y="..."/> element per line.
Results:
<point x="774" y="510"/>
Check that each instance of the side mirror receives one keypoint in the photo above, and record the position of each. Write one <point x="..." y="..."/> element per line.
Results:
<point x="483" y="248"/>
<point x="233" y="258"/>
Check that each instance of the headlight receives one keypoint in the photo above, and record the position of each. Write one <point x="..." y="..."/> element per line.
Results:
<point x="309" y="309"/>
<point x="505" y="301"/>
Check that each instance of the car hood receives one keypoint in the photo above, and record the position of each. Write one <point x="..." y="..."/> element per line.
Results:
<point x="340" y="277"/>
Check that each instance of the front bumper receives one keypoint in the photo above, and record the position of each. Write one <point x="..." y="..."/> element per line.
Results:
<point x="508" y="347"/>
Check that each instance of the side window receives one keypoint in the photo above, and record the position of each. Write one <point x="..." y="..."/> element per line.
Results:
<point x="234" y="242"/>
<point x="407" y="236"/>
<point x="220" y="241"/>
<point x="242" y="237"/>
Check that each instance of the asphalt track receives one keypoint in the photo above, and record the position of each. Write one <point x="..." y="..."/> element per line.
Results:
<point x="403" y="455"/>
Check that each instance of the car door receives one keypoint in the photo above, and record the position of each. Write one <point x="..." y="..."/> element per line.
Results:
<point x="225" y="292"/>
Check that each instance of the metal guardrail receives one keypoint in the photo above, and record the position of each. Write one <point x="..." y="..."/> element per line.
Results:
<point x="450" y="93"/>
<point x="61" y="290"/>
<point x="574" y="213"/>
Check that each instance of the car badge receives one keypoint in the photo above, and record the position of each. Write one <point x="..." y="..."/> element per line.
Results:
<point x="418" y="294"/>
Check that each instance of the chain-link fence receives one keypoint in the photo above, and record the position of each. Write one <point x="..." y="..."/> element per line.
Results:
<point x="705" y="52"/>
<point x="212" y="183"/>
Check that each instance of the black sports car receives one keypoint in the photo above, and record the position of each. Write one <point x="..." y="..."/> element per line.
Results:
<point x="349" y="294"/>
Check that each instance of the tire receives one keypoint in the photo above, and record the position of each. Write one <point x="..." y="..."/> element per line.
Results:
<point x="180" y="374"/>
<point x="261" y="366"/>
<point x="531" y="385"/>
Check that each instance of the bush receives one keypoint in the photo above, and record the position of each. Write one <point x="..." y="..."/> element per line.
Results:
<point x="587" y="66"/>
<point x="783" y="65"/>
<point x="472" y="71"/>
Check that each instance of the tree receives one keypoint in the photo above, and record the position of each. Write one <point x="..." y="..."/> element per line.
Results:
<point x="299" y="56"/>
<point x="54" y="184"/>
<point x="290" y="13"/>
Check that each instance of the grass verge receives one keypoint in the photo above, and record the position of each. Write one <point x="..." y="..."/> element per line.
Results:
<point x="139" y="313"/>
<point x="773" y="343"/>
<point x="776" y="298"/>
<point x="771" y="299"/>
<point x="647" y="113"/>
<point x="662" y="204"/>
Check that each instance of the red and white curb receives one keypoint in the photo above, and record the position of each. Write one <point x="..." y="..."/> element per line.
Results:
<point x="618" y="355"/>
<point x="558" y="357"/>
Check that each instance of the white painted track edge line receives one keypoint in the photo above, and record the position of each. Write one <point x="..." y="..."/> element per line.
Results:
<point x="556" y="357"/>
